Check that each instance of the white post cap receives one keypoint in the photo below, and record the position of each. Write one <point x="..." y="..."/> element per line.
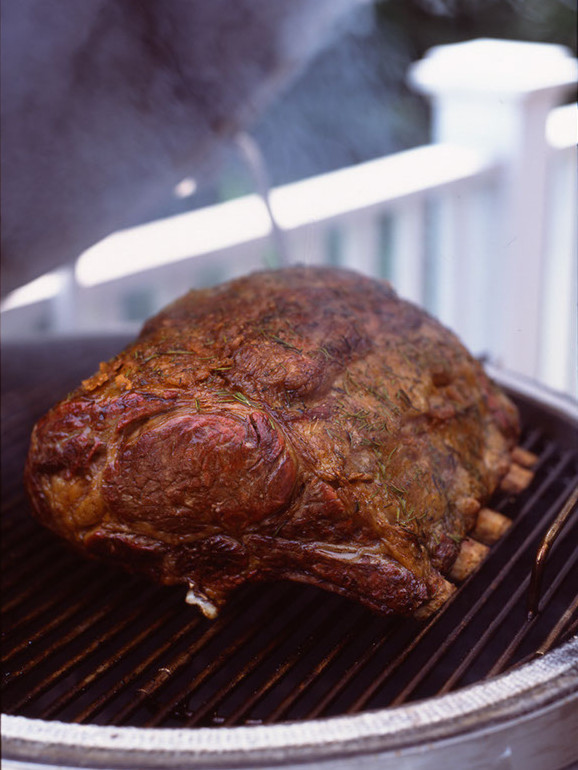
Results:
<point x="494" y="66"/>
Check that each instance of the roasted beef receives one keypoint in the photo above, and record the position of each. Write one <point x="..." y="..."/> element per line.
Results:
<point x="301" y="424"/>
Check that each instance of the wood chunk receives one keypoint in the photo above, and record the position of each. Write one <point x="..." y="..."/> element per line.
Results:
<point x="523" y="457"/>
<point x="490" y="526"/>
<point x="469" y="558"/>
<point x="516" y="480"/>
<point x="444" y="590"/>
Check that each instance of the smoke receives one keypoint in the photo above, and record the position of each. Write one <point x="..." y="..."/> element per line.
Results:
<point x="107" y="105"/>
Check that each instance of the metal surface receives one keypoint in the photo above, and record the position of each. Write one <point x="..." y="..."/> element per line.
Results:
<point x="105" y="670"/>
<point x="522" y="719"/>
<point x="554" y="532"/>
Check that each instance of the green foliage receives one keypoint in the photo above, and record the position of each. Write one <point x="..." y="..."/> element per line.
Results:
<point x="425" y="23"/>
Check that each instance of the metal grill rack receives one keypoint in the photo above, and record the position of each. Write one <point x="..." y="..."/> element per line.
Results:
<point x="85" y="643"/>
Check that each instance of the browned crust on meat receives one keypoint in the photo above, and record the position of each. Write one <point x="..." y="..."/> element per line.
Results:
<point x="303" y="424"/>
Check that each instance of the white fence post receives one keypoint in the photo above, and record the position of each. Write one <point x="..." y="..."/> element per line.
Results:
<point x="559" y="344"/>
<point x="495" y="96"/>
<point x="64" y="304"/>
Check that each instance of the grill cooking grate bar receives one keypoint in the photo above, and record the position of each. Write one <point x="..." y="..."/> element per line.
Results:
<point x="210" y="632"/>
<point x="79" y="687"/>
<point x="84" y="643"/>
<point x="565" y="628"/>
<point x="556" y="632"/>
<point x="296" y="656"/>
<point x="69" y="604"/>
<point x="131" y="674"/>
<point x="24" y="551"/>
<point x="73" y="632"/>
<point x="179" y="703"/>
<point x="276" y="714"/>
<point x="37" y="578"/>
<point x="545" y="546"/>
<point x="358" y="665"/>
<point x="141" y="694"/>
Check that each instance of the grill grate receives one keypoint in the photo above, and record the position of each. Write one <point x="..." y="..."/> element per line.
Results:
<point x="85" y="643"/>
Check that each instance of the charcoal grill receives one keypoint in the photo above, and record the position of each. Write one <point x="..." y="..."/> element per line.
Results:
<point x="105" y="670"/>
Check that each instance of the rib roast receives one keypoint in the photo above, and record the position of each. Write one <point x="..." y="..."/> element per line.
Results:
<point x="301" y="424"/>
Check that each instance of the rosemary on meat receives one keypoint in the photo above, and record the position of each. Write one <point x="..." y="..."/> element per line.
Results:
<point x="228" y="396"/>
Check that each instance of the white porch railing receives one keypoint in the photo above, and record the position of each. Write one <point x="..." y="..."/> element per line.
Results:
<point x="479" y="226"/>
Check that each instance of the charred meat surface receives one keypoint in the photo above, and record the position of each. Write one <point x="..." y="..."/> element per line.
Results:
<point x="301" y="424"/>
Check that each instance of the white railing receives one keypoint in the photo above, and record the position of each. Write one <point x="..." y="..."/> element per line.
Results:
<point x="479" y="227"/>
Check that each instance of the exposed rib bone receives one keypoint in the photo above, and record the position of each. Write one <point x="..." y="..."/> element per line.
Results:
<point x="490" y="526"/>
<point x="517" y="479"/>
<point x="470" y="556"/>
<point x="444" y="590"/>
<point x="523" y="457"/>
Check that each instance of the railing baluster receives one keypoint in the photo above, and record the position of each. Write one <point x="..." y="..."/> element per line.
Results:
<point x="409" y="249"/>
<point x="360" y="243"/>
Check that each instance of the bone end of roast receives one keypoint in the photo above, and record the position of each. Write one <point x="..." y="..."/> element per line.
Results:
<point x="524" y="457"/>
<point x="470" y="556"/>
<point x="516" y="480"/>
<point x="490" y="526"/>
<point x="444" y="590"/>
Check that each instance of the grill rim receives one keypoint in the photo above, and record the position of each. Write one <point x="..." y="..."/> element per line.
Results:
<point x="531" y="691"/>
